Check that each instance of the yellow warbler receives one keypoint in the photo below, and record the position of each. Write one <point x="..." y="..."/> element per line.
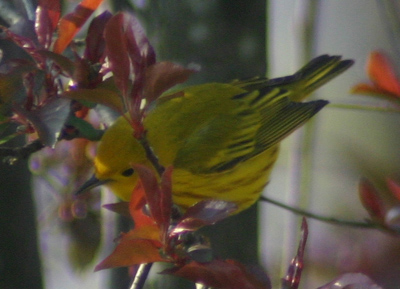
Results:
<point x="222" y="139"/>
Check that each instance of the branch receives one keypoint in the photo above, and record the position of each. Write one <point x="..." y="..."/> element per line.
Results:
<point x="356" y="224"/>
<point x="364" y="107"/>
<point x="11" y="155"/>
<point x="141" y="276"/>
<point x="151" y="156"/>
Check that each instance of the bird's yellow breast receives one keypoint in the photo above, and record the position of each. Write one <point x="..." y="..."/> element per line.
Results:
<point x="242" y="184"/>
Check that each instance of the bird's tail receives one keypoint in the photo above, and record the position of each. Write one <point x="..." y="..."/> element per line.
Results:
<point x="314" y="74"/>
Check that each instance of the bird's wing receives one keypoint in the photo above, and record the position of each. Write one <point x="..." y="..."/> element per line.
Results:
<point x="260" y="120"/>
<point x="313" y="75"/>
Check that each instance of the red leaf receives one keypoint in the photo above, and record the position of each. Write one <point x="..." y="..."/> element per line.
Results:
<point x="47" y="16"/>
<point x="71" y="23"/>
<point x="139" y="48"/>
<point x="26" y="44"/>
<point x="161" y="76"/>
<point x="371" y="200"/>
<point x="165" y="203"/>
<point x="394" y="188"/>
<point x="114" y="36"/>
<point x="365" y="88"/>
<point x="129" y="53"/>
<point x="95" y="43"/>
<point x="204" y="213"/>
<point x="293" y="277"/>
<point x="159" y="201"/>
<point x="380" y="71"/>
<point x="134" y="248"/>
<point x="222" y="274"/>
<point x="53" y="8"/>
<point x="136" y="206"/>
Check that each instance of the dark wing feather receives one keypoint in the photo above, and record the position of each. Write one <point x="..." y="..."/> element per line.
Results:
<point x="262" y="118"/>
<point x="313" y="75"/>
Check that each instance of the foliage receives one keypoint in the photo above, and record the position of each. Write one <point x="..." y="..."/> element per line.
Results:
<point x="118" y="69"/>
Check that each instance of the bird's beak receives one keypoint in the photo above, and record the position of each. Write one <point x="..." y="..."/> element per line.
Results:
<point x="91" y="183"/>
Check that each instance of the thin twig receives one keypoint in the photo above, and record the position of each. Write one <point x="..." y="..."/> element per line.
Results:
<point x="144" y="269"/>
<point x="151" y="156"/>
<point x="141" y="276"/>
<point x="364" y="107"/>
<point x="331" y="220"/>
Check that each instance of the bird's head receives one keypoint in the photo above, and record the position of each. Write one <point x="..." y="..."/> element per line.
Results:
<point x="116" y="153"/>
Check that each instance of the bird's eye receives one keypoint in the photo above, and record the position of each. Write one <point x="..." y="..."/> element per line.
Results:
<point x="128" y="172"/>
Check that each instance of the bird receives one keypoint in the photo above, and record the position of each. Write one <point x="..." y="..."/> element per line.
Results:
<point x="222" y="139"/>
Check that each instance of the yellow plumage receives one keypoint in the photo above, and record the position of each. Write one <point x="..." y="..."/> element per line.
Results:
<point x="222" y="139"/>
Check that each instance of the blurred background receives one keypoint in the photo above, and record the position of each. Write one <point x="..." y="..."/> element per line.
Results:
<point x="318" y="169"/>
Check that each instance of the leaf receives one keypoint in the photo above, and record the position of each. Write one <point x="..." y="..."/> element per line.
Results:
<point x="380" y="70"/>
<point x="95" y="43"/>
<point x="121" y="208"/>
<point x="136" y="207"/>
<point x="10" y="86"/>
<point x="293" y="276"/>
<point x="98" y="95"/>
<point x="159" y="201"/>
<point x="53" y="8"/>
<point x="222" y="274"/>
<point x="71" y="23"/>
<point x="371" y="200"/>
<point x="47" y="16"/>
<point x="394" y="188"/>
<point x="83" y="129"/>
<point x="48" y="120"/>
<point x="365" y="88"/>
<point x="7" y="138"/>
<point x="129" y="53"/>
<point x="161" y="76"/>
<point x="132" y="250"/>
<point x="165" y="203"/>
<point x="26" y="44"/>
<point x="204" y="213"/>
<point x="139" y="48"/>
<point x="66" y="65"/>
<point x="114" y="36"/>
<point x="351" y="281"/>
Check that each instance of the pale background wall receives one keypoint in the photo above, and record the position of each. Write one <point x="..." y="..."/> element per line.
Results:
<point x="346" y="144"/>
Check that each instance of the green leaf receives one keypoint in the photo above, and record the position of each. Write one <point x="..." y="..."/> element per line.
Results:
<point x="8" y="138"/>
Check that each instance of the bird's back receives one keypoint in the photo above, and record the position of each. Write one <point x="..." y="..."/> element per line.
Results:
<point x="223" y="140"/>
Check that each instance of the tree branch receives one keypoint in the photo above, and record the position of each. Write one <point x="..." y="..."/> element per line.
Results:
<point x="355" y="224"/>
<point x="11" y="155"/>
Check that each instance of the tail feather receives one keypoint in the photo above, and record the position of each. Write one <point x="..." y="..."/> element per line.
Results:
<point x="313" y="75"/>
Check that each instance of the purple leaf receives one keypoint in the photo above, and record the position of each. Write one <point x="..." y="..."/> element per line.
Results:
<point x="48" y="120"/>
<point x="161" y="76"/>
<point x="129" y="53"/>
<point x="116" y="46"/>
<point x="47" y="16"/>
<point x="223" y="274"/>
<point x="351" y="281"/>
<point x="95" y="43"/>
<point x="121" y="208"/>
<point x="204" y="213"/>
